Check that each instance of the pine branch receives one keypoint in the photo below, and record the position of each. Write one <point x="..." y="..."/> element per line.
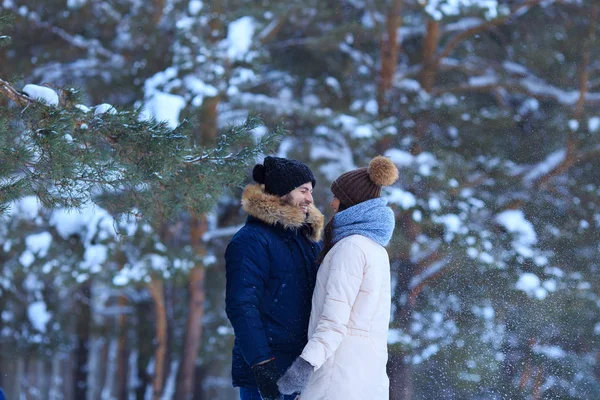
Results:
<point x="65" y="156"/>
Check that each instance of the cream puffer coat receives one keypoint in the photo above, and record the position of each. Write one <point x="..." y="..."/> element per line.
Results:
<point x="349" y="323"/>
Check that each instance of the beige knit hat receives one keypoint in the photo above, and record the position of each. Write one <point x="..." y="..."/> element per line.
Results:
<point x="365" y="183"/>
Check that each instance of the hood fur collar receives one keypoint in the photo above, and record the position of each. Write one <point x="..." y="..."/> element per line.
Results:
<point x="270" y="209"/>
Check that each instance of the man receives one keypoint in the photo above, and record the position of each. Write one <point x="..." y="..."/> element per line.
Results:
<point x="271" y="270"/>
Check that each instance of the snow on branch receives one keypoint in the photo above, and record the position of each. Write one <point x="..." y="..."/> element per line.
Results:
<point x="433" y="269"/>
<point x="221" y="232"/>
<point x="531" y="86"/>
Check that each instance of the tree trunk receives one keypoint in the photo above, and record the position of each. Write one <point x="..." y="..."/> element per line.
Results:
<point x="186" y="375"/>
<point x="399" y="369"/>
<point x="193" y="333"/>
<point x="156" y="287"/>
<point x="400" y="373"/>
<point x="83" y="315"/>
<point x="208" y="118"/>
<point x="122" y="352"/>
<point x="429" y="70"/>
<point x="159" y="6"/>
<point x="144" y="347"/>
<point x="390" y="48"/>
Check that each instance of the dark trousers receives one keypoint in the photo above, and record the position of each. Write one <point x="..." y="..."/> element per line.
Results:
<point x="253" y="394"/>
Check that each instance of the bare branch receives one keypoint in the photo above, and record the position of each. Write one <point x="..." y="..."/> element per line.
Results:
<point x="270" y="31"/>
<point x="9" y="91"/>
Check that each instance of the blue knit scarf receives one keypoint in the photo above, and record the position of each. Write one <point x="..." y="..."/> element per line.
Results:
<point x="371" y="218"/>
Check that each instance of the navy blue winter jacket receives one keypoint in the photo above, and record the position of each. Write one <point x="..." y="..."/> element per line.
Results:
<point x="271" y="271"/>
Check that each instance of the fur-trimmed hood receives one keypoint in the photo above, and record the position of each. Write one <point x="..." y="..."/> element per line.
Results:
<point x="270" y="209"/>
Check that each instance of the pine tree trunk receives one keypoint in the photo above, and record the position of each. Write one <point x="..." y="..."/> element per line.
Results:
<point x="83" y="315"/>
<point x="144" y="347"/>
<point x="193" y="333"/>
<point x="3" y="375"/>
<point x="389" y="48"/>
<point x="400" y="374"/>
<point x="156" y="287"/>
<point x="429" y="71"/>
<point x="186" y="374"/>
<point x="159" y="6"/>
<point x="56" y="381"/>
<point x="97" y="369"/>
<point x="122" y="352"/>
<point x="208" y="118"/>
<point x="400" y="370"/>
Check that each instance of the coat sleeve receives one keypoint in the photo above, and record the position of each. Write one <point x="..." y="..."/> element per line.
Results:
<point x="247" y="273"/>
<point x="342" y="287"/>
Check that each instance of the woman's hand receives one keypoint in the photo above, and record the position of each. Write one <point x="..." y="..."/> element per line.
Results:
<point x="296" y="377"/>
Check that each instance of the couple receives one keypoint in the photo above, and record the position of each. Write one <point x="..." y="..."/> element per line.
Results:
<point x="311" y="319"/>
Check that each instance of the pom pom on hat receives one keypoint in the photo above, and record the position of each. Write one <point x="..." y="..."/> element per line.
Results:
<point x="364" y="184"/>
<point x="382" y="171"/>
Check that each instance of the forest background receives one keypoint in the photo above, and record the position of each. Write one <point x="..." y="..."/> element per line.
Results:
<point x="115" y="217"/>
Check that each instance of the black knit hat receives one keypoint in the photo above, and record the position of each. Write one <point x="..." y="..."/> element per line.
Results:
<point x="354" y="187"/>
<point x="281" y="175"/>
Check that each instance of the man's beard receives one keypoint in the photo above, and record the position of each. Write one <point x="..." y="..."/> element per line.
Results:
<point x="303" y="205"/>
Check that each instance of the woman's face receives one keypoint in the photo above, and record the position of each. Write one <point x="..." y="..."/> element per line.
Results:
<point x="335" y="204"/>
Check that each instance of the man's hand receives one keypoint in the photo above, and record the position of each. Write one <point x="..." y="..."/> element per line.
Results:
<point x="266" y="376"/>
<point x="296" y="377"/>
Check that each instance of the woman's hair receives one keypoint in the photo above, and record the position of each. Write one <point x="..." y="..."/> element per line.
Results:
<point x="328" y="237"/>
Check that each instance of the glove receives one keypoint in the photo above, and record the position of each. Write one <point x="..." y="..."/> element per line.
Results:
<point x="266" y="376"/>
<point x="296" y="377"/>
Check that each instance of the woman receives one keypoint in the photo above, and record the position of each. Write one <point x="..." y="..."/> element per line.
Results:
<point x="346" y="354"/>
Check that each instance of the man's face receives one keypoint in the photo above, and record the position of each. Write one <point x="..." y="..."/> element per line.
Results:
<point x="300" y="197"/>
